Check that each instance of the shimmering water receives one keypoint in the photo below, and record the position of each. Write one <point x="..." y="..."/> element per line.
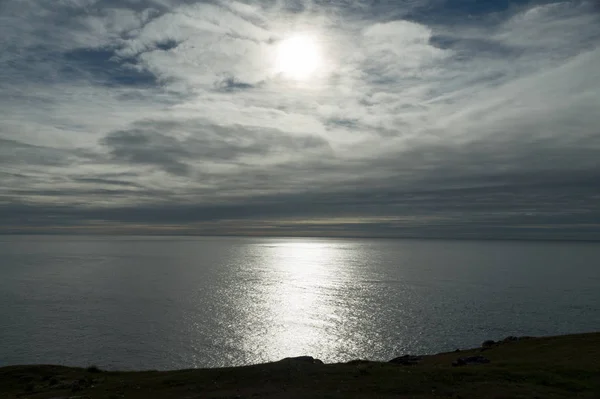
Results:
<point x="177" y="302"/>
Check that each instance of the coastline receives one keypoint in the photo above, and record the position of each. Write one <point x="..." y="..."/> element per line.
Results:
<point x="547" y="367"/>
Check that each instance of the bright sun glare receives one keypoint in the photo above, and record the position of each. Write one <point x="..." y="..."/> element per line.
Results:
<point x="298" y="57"/>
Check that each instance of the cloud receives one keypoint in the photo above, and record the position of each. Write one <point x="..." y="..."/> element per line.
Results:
<point x="427" y="118"/>
<point x="176" y="145"/>
<point x="13" y="152"/>
<point x="230" y="83"/>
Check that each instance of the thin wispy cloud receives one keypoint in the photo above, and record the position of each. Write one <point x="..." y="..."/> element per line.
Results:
<point x="418" y="118"/>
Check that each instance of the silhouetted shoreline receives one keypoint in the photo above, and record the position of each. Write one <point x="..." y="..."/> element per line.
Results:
<point x="546" y="367"/>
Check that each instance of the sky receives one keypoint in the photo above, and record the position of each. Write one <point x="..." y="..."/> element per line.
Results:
<point x="378" y="118"/>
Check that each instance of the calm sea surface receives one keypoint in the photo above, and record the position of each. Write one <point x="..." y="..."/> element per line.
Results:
<point x="180" y="302"/>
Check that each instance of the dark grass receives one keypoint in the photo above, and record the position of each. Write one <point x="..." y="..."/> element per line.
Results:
<point x="551" y="367"/>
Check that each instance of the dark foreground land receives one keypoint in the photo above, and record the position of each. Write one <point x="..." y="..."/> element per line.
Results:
<point x="550" y="367"/>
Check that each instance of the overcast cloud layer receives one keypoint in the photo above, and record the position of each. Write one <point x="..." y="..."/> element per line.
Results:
<point x="428" y="118"/>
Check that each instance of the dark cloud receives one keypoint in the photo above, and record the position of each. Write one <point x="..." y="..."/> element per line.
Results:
<point x="542" y="211"/>
<point x="173" y="145"/>
<point x="106" y="182"/>
<point x="166" y="45"/>
<point x="141" y="147"/>
<point x="344" y="122"/>
<point x="13" y="152"/>
<point x="231" y="84"/>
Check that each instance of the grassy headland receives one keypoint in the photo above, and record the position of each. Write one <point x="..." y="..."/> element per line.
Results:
<point x="549" y="367"/>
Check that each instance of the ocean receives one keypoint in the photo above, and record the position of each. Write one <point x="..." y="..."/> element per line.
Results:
<point x="184" y="302"/>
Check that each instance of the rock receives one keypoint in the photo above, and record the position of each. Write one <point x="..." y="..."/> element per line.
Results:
<point x="464" y="361"/>
<point x="304" y="359"/>
<point x="406" y="360"/>
<point x="510" y="338"/>
<point x="488" y="344"/>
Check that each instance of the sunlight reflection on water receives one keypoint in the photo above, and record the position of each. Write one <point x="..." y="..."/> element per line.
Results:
<point x="304" y="272"/>
<point x="165" y="303"/>
<point x="322" y="298"/>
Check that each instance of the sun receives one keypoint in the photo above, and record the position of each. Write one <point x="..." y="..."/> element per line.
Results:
<point x="298" y="57"/>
